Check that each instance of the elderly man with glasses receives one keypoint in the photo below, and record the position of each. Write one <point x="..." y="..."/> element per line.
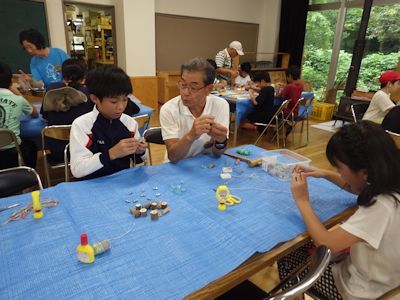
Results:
<point x="195" y="121"/>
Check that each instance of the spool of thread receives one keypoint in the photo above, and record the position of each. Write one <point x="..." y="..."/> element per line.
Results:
<point x="154" y="215"/>
<point x="147" y="205"/>
<point x="164" y="204"/>
<point x="165" y="211"/>
<point x="153" y="205"/>
<point x="101" y="247"/>
<point x="138" y="206"/>
<point x="135" y="212"/>
<point x="143" y="212"/>
<point x="37" y="206"/>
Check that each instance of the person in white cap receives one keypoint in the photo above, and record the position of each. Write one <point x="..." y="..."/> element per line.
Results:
<point x="223" y="60"/>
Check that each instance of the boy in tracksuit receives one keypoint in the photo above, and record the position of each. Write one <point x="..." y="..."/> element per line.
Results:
<point x="105" y="140"/>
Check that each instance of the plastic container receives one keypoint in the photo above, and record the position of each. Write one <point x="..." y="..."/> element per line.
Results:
<point x="280" y="163"/>
<point x="322" y="111"/>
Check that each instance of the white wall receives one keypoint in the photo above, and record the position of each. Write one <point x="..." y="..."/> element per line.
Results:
<point x="135" y="24"/>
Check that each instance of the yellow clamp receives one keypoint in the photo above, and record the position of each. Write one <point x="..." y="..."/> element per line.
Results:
<point x="224" y="197"/>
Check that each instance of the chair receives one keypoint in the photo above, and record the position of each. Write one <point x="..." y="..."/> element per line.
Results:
<point x="358" y="110"/>
<point x="316" y="264"/>
<point x="57" y="132"/>
<point x="143" y="122"/>
<point x="302" y="116"/>
<point x="395" y="137"/>
<point x="277" y="118"/>
<point x="153" y="136"/>
<point x="7" y="137"/>
<point x="15" y="180"/>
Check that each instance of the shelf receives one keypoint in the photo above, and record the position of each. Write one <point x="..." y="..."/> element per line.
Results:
<point x="104" y="62"/>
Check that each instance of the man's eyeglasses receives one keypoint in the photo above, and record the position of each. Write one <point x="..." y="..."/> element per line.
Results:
<point x="191" y="88"/>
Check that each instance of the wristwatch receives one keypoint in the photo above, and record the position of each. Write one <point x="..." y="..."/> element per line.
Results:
<point x="222" y="145"/>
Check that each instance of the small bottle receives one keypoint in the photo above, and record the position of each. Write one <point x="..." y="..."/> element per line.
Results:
<point x="85" y="252"/>
<point x="37" y="207"/>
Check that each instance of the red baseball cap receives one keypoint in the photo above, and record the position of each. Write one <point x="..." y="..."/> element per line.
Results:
<point x="389" y="76"/>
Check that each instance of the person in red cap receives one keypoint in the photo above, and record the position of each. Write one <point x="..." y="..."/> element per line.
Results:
<point x="381" y="103"/>
<point x="223" y="59"/>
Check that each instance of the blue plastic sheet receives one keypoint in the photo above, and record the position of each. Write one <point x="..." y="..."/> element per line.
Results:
<point x="192" y="245"/>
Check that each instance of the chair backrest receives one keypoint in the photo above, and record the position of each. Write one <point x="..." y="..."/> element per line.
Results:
<point x="358" y="110"/>
<point x="279" y="112"/>
<point x="15" y="180"/>
<point x="306" y="103"/>
<point x="7" y="137"/>
<point x="395" y="137"/>
<point x="57" y="132"/>
<point x="317" y="263"/>
<point x="153" y="135"/>
<point x="143" y="120"/>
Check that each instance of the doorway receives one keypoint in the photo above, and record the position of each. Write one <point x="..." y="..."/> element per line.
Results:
<point x="90" y="33"/>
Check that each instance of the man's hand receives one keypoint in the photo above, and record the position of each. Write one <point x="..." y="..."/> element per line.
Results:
<point x="234" y="73"/>
<point x="124" y="148"/>
<point x="201" y="125"/>
<point x="218" y="132"/>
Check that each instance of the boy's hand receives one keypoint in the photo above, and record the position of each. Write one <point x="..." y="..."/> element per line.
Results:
<point x="299" y="188"/>
<point x="124" y="148"/>
<point x="141" y="147"/>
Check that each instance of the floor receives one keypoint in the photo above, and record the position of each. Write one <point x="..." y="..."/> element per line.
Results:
<point x="315" y="150"/>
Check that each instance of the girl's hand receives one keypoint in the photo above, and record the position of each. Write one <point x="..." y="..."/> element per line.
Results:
<point x="309" y="172"/>
<point x="299" y="188"/>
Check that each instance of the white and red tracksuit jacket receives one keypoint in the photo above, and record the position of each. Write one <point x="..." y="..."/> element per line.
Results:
<point x="92" y="135"/>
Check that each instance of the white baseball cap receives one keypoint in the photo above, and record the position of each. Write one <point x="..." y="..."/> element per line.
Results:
<point x="237" y="46"/>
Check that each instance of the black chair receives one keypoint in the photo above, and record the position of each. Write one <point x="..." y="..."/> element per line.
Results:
<point x="316" y="264"/>
<point x="153" y="136"/>
<point x="274" y="122"/>
<point x="358" y="110"/>
<point x="15" y="180"/>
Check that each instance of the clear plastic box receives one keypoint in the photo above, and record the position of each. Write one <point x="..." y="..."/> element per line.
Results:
<point x="280" y="163"/>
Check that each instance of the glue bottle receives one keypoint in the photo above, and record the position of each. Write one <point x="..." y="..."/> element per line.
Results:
<point x="37" y="207"/>
<point x="84" y="251"/>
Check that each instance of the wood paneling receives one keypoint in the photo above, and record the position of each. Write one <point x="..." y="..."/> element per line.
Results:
<point x="145" y="89"/>
<point x="180" y="38"/>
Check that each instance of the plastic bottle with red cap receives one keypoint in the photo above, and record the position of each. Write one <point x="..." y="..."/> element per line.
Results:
<point x="85" y="252"/>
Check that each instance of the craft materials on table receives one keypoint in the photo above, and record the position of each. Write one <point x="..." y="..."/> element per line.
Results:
<point x="157" y="209"/>
<point x="85" y="252"/>
<point x="225" y="198"/>
<point x="37" y="207"/>
<point x="24" y="211"/>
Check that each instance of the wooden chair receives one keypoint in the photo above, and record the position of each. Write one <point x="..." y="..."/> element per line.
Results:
<point x="153" y="136"/>
<point x="60" y="133"/>
<point x="15" y="180"/>
<point x="274" y="122"/>
<point x="7" y="137"/>
<point x="316" y="264"/>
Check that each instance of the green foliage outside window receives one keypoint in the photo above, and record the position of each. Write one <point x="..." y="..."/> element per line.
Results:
<point x="381" y="53"/>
